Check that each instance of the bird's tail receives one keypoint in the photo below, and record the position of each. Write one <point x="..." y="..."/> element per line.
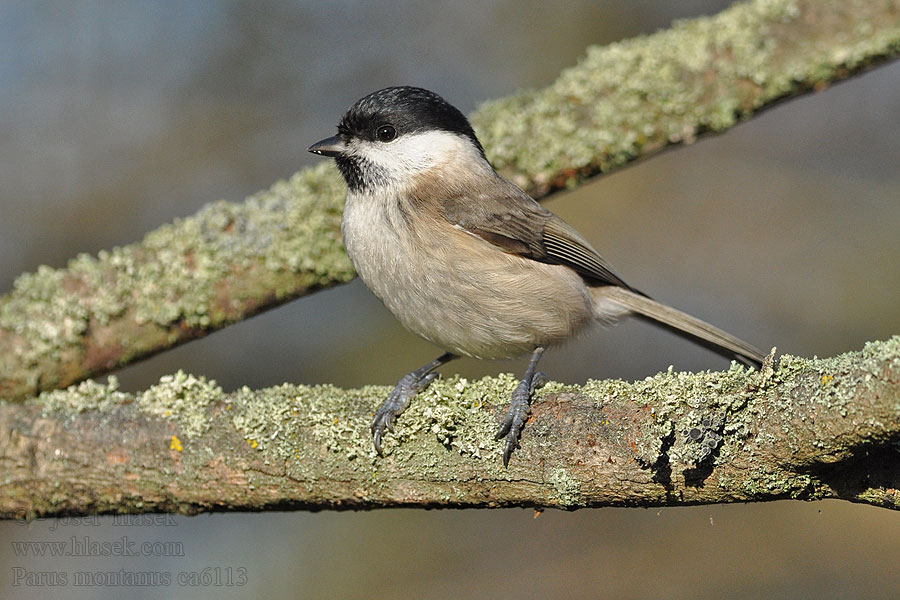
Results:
<point x="684" y="324"/>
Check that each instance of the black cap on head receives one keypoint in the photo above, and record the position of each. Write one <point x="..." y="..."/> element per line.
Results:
<point x="408" y="110"/>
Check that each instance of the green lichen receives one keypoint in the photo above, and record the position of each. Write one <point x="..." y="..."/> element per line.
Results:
<point x="459" y="414"/>
<point x="36" y="310"/>
<point x="832" y="391"/>
<point x="888" y="498"/>
<point x="174" y="274"/>
<point x="455" y="413"/>
<point x="677" y="403"/>
<point x="646" y="92"/>
<point x="268" y="419"/>
<point x="184" y="398"/>
<point x="307" y="431"/>
<point x="181" y="397"/>
<point x="568" y="488"/>
<point x="86" y="396"/>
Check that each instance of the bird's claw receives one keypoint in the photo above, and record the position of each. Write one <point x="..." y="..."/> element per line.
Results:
<point x="396" y="402"/>
<point x="518" y="412"/>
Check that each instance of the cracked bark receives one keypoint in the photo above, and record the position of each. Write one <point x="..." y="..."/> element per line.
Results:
<point x="810" y="429"/>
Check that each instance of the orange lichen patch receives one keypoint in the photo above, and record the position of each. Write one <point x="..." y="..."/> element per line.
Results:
<point x="826" y="379"/>
<point x="175" y="444"/>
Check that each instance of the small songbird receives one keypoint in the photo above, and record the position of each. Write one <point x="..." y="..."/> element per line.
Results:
<point x="465" y="258"/>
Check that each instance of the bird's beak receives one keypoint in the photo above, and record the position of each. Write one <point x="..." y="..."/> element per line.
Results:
<point x="333" y="146"/>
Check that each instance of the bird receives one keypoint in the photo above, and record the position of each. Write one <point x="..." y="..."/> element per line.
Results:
<point x="466" y="259"/>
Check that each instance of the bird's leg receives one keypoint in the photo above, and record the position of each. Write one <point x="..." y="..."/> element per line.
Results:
<point x="521" y="405"/>
<point x="408" y="386"/>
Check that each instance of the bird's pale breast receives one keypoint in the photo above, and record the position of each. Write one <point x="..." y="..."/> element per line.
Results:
<point x="456" y="290"/>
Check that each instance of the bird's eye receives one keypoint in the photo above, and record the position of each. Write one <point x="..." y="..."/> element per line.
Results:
<point x="385" y="133"/>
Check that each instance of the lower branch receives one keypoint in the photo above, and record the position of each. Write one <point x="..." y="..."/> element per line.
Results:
<point x="820" y="428"/>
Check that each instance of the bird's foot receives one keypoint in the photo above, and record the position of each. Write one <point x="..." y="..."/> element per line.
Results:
<point x="518" y="412"/>
<point x="405" y="390"/>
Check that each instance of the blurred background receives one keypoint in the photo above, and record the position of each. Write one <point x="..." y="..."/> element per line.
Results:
<point x="118" y="117"/>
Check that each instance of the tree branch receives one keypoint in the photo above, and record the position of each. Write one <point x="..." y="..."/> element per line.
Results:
<point x="621" y="102"/>
<point x="811" y="429"/>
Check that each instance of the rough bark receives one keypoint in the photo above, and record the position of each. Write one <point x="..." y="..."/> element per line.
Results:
<point x="622" y="102"/>
<point x="820" y="428"/>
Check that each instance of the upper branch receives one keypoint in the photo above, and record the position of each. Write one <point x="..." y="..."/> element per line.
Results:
<point x="825" y="428"/>
<point x="620" y="103"/>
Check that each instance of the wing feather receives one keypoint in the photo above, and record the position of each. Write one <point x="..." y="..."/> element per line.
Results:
<point x="505" y="216"/>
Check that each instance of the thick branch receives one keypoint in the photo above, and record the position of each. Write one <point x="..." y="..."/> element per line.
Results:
<point x="812" y="429"/>
<point x="621" y="102"/>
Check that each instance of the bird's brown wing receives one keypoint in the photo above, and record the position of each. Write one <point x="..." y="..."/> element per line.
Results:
<point x="510" y="219"/>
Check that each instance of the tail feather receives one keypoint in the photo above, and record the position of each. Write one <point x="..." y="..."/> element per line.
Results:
<point x="684" y="324"/>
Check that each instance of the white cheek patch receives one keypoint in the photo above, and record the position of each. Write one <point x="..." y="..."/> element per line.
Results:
<point x="415" y="153"/>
